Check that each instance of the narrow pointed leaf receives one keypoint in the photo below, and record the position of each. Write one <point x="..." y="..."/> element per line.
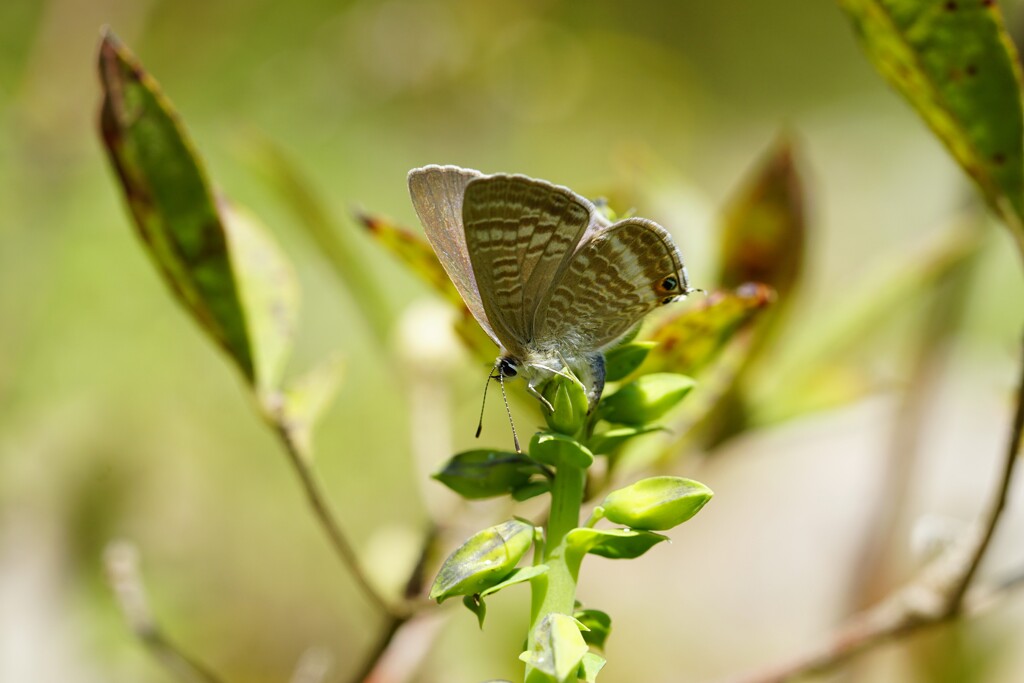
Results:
<point x="219" y="263"/>
<point x="599" y="626"/>
<point x="624" y="359"/>
<point x="693" y="339"/>
<point x="414" y="252"/>
<point x="763" y="231"/>
<point x="955" y="64"/>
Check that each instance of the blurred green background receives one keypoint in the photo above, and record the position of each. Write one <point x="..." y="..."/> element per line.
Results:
<point x="119" y="420"/>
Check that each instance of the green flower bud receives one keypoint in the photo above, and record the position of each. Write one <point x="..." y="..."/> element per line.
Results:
<point x="483" y="561"/>
<point x="646" y="398"/>
<point x="568" y="397"/>
<point x="656" y="503"/>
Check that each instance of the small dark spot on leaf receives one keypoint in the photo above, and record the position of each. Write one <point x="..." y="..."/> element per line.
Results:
<point x="988" y="3"/>
<point x="950" y="6"/>
<point x="972" y="70"/>
<point x="998" y="158"/>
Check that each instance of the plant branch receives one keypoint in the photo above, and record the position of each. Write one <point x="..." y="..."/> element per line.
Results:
<point x="121" y="560"/>
<point x="998" y="503"/>
<point x="938" y="595"/>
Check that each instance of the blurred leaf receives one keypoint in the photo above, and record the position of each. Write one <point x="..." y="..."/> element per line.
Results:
<point x="269" y="293"/>
<point x="607" y="442"/>
<point x="415" y="252"/>
<point x="312" y="213"/>
<point x="956" y="65"/>
<point x="645" y="399"/>
<point x="558" y="647"/>
<point x="222" y="267"/>
<point x="484" y="473"/>
<point x="590" y="665"/>
<point x="599" y="626"/>
<point x="304" y="401"/>
<point x="763" y="231"/>
<point x="692" y="339"/>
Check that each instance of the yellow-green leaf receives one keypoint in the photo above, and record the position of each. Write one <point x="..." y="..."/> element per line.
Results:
<point x="689" y="341"/>
<point x="954" y="62"/>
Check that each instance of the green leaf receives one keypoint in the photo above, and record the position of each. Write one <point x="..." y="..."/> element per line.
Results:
<point x="956" y="65"/>
<point x="558" y="647"/>
<point x="694" y="338"/>
<point x="558" y="449"/>
<point x="303" y="402"/>
<point x="615" y="544"/>
<point x="590" y="665"/>
<point x="607" y="442"/>
<point x="645" y="399"/>
<point x="520" y="575"/>
<point x="656" y="503"/>
<point x="476" y="605"/>
<point x="599" y="626"/>
<point x="483" y="561"/>
<point x="624" y="359"/>
<point x="531" y="490"/>
<point x="763" y="231"/>
<point x="486" y="473"/>
<point x="218" y="261"/>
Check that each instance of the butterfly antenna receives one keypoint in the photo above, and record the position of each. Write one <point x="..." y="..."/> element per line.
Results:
<point x="480" y="423"/>
<point x="504" y="396"/>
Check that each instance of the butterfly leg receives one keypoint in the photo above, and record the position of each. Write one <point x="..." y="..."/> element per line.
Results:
<point x="532" y="390"/>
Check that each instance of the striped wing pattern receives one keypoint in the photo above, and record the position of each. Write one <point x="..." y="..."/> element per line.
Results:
<point x="519" y="233"/>
<point x="610" y="283"/>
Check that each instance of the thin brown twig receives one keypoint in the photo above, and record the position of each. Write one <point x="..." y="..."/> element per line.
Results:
<point x="998" y="504"/>
<point x="938" y="595"/>
<point x="122" y="565"/>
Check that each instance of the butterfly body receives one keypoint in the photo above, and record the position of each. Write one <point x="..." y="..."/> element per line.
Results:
<point x="548" y="277"/>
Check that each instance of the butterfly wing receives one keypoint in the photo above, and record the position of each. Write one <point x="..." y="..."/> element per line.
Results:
<point x="613" y="280"/>
<point x="519" y="233"/>
<point x="437" y="193"/>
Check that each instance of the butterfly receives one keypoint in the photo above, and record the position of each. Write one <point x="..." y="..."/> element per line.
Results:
<point x="549" y="278"/>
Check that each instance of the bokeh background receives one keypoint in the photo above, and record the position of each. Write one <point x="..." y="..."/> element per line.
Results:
<point x="119" y="420"/>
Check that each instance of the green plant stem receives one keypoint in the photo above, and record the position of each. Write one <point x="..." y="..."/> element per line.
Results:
<point x="555" y="591"/>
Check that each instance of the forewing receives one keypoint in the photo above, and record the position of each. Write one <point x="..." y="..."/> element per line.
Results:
<point x="519" y="231"/>
<point x="437" y="194"/>
<point x="612" y="281"/>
